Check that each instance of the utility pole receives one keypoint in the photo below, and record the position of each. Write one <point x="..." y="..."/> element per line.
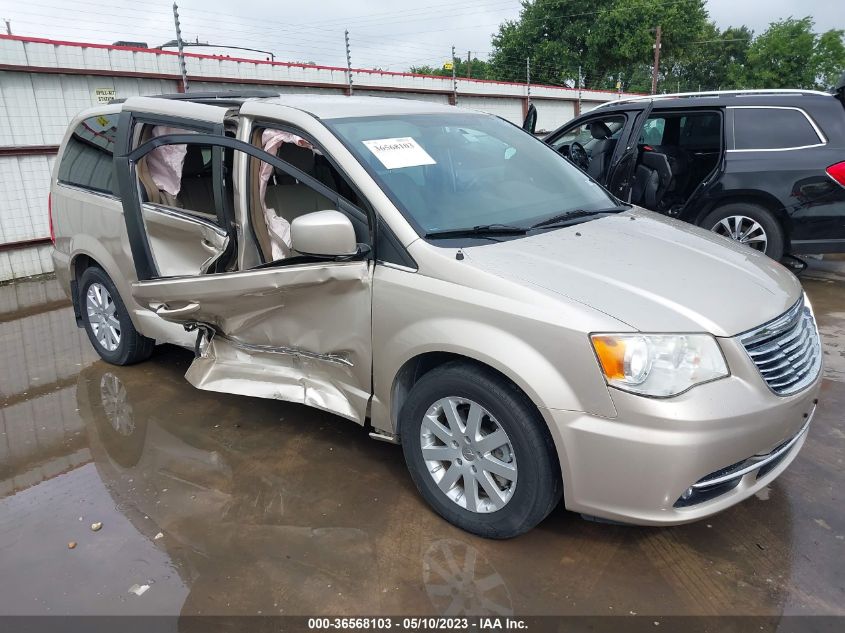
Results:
<point x="469" y="64"/>
<point x="182" y="66"/>
<point x="657" y="33"/>
<point x="528" y="79"/>
<point x="454" y="79"/>
<point x="580" y="88"/>
<point x="8" y="26"/>
<point x="348" y="64"/>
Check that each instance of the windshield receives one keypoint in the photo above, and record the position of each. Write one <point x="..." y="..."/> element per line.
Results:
<point x="452" y="171"/>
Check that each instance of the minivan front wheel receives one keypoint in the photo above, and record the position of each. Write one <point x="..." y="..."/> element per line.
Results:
<point x="748" y="224"/>
<point x="479" y="452"/>
<point x="107" y="321"/>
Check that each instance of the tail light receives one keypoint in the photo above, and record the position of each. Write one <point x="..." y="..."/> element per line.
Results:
<point x="837" y="172"/>
<point x="50" y="217"/>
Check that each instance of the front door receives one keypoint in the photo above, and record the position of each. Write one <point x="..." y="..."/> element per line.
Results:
<point x="594" y="142"/>
<point x="620" y="178"/>
<point x="295" y="328"/>
<point x="174" y="194"/>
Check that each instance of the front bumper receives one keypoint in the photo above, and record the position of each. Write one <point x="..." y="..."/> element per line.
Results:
<point x="725" y="440"/>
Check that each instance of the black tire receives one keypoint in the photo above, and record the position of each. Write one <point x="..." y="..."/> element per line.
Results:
<point x="132" y="347"/>
<point x="774" y="232"/>
<point x="538" y="486"/>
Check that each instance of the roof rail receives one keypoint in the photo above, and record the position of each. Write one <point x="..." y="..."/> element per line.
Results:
<point x="225" y="97"/>
<point x="717" y="93"/>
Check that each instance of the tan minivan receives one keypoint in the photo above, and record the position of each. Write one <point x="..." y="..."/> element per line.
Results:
<point x="447" y="279"/>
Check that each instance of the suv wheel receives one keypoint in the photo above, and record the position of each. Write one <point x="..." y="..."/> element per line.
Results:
<point x="748" y="224"/>
<point x="479" y="452"/>
<point x="107" y="322"/>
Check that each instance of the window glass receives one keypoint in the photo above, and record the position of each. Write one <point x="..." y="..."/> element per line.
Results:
<point x="462" y="170"/>
<point x="179" y="175"/>
<point x="300" y="153"/>
<point x="584" y="134"/>
<point x="652" y="133"/>
<point x="87" y="159"/>
<point x="701" y="131"/>
<point x="772" y="128"/>
<point x="277" y="199"/>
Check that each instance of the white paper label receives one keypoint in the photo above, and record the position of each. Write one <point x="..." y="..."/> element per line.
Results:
<point x="395" y="153"/>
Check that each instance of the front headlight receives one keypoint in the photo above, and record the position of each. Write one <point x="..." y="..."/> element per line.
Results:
<point x="658" y="364"/>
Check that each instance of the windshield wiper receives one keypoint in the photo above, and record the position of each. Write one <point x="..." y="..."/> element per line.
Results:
<point x="573" y="217"/>
<point x="482" y="230"/>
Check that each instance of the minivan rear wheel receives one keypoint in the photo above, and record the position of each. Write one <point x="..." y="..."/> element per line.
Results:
<point x="107" y="321"/>
<point x="479" y="452"/>
<point x="748" y="224"/>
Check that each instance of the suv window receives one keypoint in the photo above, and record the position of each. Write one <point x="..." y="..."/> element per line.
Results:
<point x="693" y="130"/>
<point x="701" y="131"/>
<point x="772" y="128"/>
<point x="652" y="133"/>
<point x="584" y="136"/>
<point x="87" y="158"/>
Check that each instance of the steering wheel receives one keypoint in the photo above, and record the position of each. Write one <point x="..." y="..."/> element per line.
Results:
<point x="578" y="155"/>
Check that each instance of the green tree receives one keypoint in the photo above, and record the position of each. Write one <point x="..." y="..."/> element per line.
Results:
<point x="790" y="55"/>
<point x="782" y="56"/>
<point x="716" y="61"/>
<point x="829" y="58"/>
<point x="478" y="69"/>
<point x="606" y="38"/>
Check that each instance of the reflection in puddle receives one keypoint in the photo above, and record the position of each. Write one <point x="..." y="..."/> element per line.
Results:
<point x="459" y="580"/>
<point x="116" y="404"/>
<point x="230" y="505"/>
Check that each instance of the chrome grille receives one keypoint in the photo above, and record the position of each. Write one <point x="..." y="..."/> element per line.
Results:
<point x="786" y="350"/>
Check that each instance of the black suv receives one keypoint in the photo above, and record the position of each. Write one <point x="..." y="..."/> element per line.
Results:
<point x="764" y="167"/>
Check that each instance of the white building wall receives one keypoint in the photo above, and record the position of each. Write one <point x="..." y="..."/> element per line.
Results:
<point x="509" y="109"/>
<point x="552" y="114"/>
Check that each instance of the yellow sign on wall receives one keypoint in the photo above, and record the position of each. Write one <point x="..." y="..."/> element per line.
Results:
<point x="447" y="65"/>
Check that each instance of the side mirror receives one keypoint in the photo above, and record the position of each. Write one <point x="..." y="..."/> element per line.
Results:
<point x="323" y="233"/>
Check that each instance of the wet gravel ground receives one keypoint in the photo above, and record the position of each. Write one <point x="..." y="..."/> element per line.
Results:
<point x="218" y="504"/>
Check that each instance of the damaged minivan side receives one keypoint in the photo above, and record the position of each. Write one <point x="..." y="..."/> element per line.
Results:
<point x="447" y="280"/>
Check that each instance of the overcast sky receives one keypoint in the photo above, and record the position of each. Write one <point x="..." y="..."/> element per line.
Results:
<point x="390" y="35"/>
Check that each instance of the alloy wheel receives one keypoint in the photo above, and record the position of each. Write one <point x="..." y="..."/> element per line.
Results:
<point x="102" y="316"/>
<point x="744" y="230"/>
<point x="468" y="454"/>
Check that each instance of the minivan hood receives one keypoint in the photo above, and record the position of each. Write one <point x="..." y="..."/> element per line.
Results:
<point x="654" y="273"/>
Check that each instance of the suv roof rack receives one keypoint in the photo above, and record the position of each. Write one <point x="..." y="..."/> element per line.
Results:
<point x="717" y="93"/>
<point x="224" y="97"/>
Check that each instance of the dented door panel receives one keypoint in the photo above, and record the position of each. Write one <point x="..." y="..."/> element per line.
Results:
<point x="299" y="333"/>
<point x="180" y="243"/>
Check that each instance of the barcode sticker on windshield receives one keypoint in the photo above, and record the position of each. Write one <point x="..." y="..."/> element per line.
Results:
<point x="396" y="153"/>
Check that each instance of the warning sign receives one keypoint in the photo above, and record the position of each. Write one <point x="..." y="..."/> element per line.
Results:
<point x="103" y="95"/>
<point x="395" y="153"/>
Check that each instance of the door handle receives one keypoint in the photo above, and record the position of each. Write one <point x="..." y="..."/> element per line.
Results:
<point x="207" y="245"/>
<point x="166" y="313"/>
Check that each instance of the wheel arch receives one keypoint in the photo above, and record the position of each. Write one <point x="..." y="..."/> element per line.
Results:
<point x="88" y="253"/>
<point x="417" y="366"/>
<point x="757" y="197"/>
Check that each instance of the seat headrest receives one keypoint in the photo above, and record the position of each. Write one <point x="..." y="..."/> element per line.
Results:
<point x="599" y="130"/>
<point x="300" y="157"/>
<point x="194" y="162"/>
